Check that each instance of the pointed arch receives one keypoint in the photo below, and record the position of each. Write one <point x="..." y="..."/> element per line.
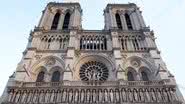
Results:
<point x="40" y="76"/>
<point x="66" y="21"/>
<point x="128" y="22"/>
<point x="55" y="76"/>
<point x="57" y="73"/>
<point x="41" y="71"/>
<point x="118" y="21"/>
<point x="55" y="21"/>
<point x="148" y="64"/>
<point x="144" y="76"/>
<point x="131" y="74"/>
<point x="145" y="73"/>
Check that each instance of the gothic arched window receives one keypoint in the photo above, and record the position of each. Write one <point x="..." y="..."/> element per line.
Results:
<point x="128" y="21"/>
<point x="144" y="76"/>
<point x="55" y="76"/>
<point x="66" y="21"/>
<point x="130" y="76"/>
<point x="55" y="21"/>
<point x="40" y="77"/>
<point x="118" y="21"/>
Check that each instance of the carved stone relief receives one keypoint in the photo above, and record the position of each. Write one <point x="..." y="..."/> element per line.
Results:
<point x="50" y="62"/>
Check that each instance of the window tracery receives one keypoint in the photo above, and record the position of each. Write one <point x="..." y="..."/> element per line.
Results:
<point x="132" y="42"/>
<point x="48" y="41"/>
<point x="94" y="71"/>
<point x="93" y="42"/>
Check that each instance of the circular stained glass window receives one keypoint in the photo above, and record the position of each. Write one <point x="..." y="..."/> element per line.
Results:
<point x="94" y="71"/>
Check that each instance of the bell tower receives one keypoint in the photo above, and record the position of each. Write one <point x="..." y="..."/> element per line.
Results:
<point x="61" y="16"/>
<point x="123" y="17"/>
<point x="66" y="64"/>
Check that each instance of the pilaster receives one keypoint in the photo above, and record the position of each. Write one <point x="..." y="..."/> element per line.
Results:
<point x="135" y="20"/>
<point x="70" y="56"/>
<point x="76" y="22"/>
<point x="61" y="21"/>
<point x="132" y="18"/>
<point x="124" y="25"/>
<point x="140" y="18"/>
<point x="43" y="18"/>
<point x="112" y="19"/>
<point x="116" y="51"/>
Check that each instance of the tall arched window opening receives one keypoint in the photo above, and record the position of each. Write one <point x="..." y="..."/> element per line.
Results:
<point x="130" y="76"/>
<point x="66" y="21"/>
<point x="118" y="21"/>
<point x="55" y="76"/>
<point x="40" y="77"/>
<point x="128" y="21"/>
<point x="144" y="76"/>
<point x="55" y="21"/>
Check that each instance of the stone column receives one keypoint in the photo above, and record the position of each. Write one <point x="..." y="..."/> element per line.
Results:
<point x="129" y="44"/>
<point x="109" y="44"/>
<point x="112" y="19"/>
<point x="136" y="20"/>
<point x="76" y="21"/>
<point x="61" y="21"/>
<point x="132" y="19"/>
<point x="123" y="21"/>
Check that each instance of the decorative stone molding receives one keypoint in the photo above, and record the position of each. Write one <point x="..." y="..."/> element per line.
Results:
<point x="155" y="92"/>
<point x="135" y="62"/>
<point x="50" y="62"/>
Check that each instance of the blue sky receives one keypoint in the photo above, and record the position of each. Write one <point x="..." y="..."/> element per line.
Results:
<point x="165" y="17"/>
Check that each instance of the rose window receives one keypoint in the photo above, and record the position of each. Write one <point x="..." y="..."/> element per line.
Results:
<point x="94" y="71"/>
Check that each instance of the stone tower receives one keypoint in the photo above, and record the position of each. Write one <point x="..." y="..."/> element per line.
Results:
<point x="65" y="64"/>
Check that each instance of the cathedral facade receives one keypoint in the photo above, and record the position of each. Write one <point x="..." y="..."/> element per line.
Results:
<point x="66" y="64"/>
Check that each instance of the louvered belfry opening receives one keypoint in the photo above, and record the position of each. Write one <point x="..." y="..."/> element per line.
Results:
<point x="128" y="22"/>
<point x="55" y="21"/>
<point x="66" y="21"/>
<point x="118" y="21"/>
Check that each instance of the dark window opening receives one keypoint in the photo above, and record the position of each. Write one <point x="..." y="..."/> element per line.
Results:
<point x="55" y="76"/>
<point x="40" y="77"/>
<point x="66" y="21"/>
<point x="144" y="76"/>
<point x="130" y="76"/>
<point x="55" y="21"/>
<point x="105" y="43"/>
<point x="128" y="21"/>
<point x="81" y="44"/>
<point x="118" y="21"/>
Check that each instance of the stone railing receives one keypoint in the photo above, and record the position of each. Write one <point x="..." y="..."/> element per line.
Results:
<point x="80" y="83"/>
<point x="94" y="40"/>
<point x="132" y="43"/>
<point x="73" y="92"/>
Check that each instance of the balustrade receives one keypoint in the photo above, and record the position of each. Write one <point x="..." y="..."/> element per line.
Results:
<point x="88" y="93"/>
<point x="132" y="42"/>
<point x="95" y="41"/>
